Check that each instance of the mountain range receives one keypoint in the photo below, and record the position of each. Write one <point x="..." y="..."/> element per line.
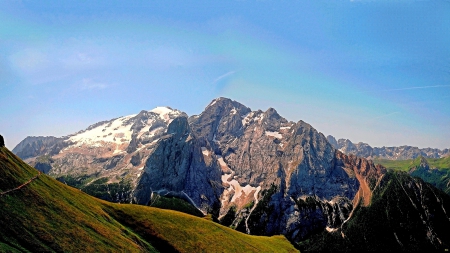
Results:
<point x="253" y="171"/>
<point x="405" y="152"/>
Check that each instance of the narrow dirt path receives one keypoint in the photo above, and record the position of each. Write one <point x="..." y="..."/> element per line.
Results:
<point x="22" y="185"/>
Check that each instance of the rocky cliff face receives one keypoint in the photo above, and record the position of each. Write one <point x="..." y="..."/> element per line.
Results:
<point x="279" y="176"/>
<point x="39" y="146"/>
<point x="392" y="153"/>
<point x="183" y="165"/>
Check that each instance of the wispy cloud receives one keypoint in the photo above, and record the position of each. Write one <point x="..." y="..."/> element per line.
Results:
<point x="89" y="84"/>
<point x="29" y="61"/>
<point x="385" y="115"/>
<point x="419" y="87"/>
<point x="224" y="75"/>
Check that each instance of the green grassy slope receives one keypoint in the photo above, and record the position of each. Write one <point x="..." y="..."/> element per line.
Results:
<point x="48" y="216"/>
<point x="406" y="165"/>
<point x="402" y="165"/>
<point x="438" y="175"/>
<point x="442" y="163"/>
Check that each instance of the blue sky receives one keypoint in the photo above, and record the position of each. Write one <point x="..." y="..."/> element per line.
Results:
<point x="372" y="71"/>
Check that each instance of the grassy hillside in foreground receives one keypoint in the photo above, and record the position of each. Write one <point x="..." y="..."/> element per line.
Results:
<point x="438" y="175"/>
<point x="48" y="216"/>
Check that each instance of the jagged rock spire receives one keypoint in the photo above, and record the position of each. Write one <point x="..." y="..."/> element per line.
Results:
<point x="424" y="163"/>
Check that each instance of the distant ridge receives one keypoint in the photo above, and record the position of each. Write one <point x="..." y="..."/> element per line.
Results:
<point x="391" y="153"/>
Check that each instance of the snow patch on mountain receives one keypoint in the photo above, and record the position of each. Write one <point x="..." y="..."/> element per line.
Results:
<point x="239" y="194"/>
<point x="274" y="134"/>
<point x="115" y="132"/>
<point x="205" y="151"/>
<point x="212" y="103"/>
<point x="166" y="113"/>
<point x="259" y="118"/>
<point x="120" y="131"/>
<point x="247" y="119"/>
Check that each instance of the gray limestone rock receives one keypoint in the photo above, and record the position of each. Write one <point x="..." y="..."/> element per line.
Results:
<point x="265" y="150"/>
<point x="43" y="167"/>
<point x="332" y="141"/>
<point x="38" y="146"/>
<point x="184" y="164"/>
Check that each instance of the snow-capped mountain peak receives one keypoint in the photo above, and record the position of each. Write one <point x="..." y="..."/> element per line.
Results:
<point x="166" y="113"/>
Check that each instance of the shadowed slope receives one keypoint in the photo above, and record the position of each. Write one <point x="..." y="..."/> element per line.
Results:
<point x="405" y="214"/>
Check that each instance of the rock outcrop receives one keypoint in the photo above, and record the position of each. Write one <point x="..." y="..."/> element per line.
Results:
<point x="2" y="141"/>
<point x="38" y="146"/>
<point x="183" y="164"/>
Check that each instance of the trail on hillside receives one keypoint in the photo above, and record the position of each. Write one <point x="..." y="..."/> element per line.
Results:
<point x="22" y="185"/>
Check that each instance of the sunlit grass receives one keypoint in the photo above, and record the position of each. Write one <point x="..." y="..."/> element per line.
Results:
<point x="406" y="165"/>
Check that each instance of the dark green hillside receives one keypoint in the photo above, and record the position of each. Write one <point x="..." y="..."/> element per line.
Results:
<point x="433" y="171"/>
<point x="99" y="188"/>
<point x="405" y="214"/>
<point x="48" y="216"/>
<point x="119" y="192"/>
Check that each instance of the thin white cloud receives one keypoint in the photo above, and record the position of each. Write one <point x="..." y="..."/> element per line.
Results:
<point x="89" y="84"/>
<point x="419" y="87"/>
<point x="224" y="75"/>
<point x="29" y="61"/>
<point x="385" y="115"/>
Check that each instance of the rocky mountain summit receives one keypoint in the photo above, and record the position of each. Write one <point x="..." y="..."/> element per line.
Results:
<point x="35" y="146"/>
<point x="391" y="153"/>
<point x="254" y="171"/>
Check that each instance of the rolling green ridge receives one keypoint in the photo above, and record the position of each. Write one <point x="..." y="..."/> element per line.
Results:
<point x="49" y="216"/>
<point x="406" y="165"/>
<point x="438" y="173"/>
